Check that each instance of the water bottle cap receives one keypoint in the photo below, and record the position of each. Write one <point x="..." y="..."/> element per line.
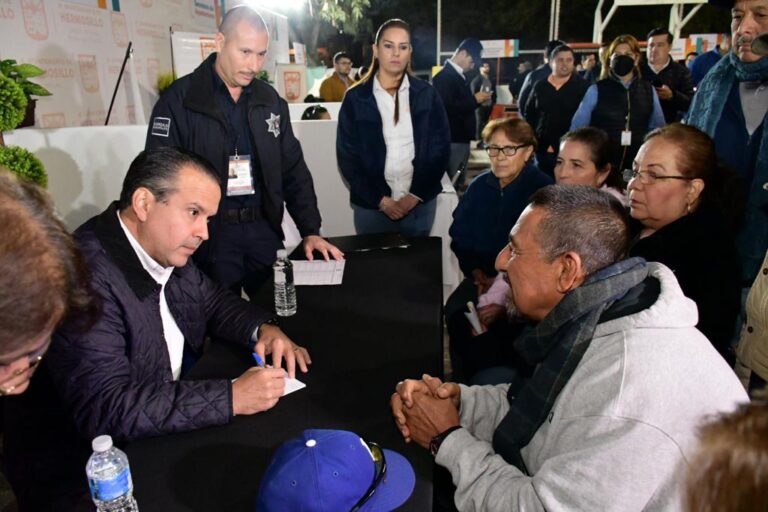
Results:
<point x="282" y="253"/>
<point x="101" y="443"/>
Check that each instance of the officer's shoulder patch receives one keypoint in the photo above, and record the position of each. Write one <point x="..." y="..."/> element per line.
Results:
<point x="161" y="126"/>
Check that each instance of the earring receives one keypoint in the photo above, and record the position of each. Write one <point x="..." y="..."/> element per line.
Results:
<point x="688" y="207"/>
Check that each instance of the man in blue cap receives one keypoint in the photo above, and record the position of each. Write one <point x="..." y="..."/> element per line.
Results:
<point x="335" y="470"/>
<point x="460" y="104"/>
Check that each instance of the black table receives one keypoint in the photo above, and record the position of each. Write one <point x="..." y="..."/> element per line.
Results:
<point x="383" y="324"/>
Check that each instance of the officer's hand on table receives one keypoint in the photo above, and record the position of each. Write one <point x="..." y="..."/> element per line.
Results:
<point x="273" y="341"/>
<point x="323" y="246"/>
<point x="407" y="391"/>
<point x="257" y="390"/>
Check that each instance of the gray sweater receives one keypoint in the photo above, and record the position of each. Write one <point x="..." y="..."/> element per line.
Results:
<point x="620" y="434"/>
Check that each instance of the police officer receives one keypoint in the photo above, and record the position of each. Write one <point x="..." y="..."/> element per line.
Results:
<point x="243" y="127"/>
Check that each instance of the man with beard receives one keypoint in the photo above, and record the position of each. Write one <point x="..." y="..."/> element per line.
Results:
<point x="623" y="377"/>
<point x="730" y="106"/>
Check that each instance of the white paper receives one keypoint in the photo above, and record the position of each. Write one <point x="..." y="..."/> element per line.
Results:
<point x="473" y="319"/>
<point x="318" y="272"/>
<point x="292" y="385"/>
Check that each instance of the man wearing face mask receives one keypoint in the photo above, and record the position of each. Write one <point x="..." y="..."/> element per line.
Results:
<point x="620" y="103"/>
<point x="730" y="106"/>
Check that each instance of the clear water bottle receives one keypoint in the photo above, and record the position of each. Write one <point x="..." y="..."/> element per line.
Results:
<point x="109" y="478"/>
<point x="285" y="293"/>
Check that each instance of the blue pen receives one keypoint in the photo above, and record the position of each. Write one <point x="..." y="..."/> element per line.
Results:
<point x="258" y="359"/>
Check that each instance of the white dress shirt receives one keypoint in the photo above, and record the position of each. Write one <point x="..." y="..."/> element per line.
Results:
<point x="398" y="165"/>
<point x="173" y="336"/>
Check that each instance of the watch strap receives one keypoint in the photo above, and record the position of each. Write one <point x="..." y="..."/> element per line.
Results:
<point x="435" y="442"/>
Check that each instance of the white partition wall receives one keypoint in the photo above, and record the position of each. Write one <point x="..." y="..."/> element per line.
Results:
<point x="86" y="166"/>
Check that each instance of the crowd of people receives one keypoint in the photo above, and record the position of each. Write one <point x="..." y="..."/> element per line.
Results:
<point x="608" y="248"/>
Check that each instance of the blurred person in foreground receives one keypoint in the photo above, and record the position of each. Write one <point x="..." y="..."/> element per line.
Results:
<point x="623" y="377"/>
<point x="43" y="280"/>
<point x="729" y="471"/>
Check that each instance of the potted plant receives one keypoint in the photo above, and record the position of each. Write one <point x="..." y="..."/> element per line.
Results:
<point x="24" y="164"/>
<point x="21" y="73"/>
<point x="164" y="81"/>
<point x="13" y="105"/>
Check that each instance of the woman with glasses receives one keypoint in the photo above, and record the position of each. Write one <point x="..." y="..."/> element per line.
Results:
<point x="393" y="141"/>
<point x="620" y="103"/>
<point x="686" y="205"/>
<point x="481" y="225"/>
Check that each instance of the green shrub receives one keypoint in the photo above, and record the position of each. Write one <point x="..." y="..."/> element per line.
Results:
<point x="13" y="104"/>
<point x="24" y="164"/>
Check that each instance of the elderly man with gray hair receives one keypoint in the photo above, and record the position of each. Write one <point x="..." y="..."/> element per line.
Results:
<point x="608" y="419"/>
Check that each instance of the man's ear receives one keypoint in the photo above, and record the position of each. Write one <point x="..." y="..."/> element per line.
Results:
<point x="219" y="39"/>
<point x="142" y="202"/>
<point x="571" y="272"/>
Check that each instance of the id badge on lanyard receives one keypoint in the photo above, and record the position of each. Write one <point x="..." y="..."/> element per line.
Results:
<point x="240" y="176"/>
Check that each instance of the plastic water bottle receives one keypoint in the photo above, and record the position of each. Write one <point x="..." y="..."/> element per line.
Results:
<point x="109" y="478"/>
<point x="285" y="292"/>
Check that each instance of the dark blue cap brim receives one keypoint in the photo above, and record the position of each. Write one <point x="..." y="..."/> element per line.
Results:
<point x="396" y="487"/>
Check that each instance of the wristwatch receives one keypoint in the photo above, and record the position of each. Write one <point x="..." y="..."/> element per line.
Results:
<point x="435" y="442"/>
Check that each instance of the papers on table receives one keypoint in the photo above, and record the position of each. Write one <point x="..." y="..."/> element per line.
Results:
<point x="318" y="272"/>
<point x="292" y="385"/>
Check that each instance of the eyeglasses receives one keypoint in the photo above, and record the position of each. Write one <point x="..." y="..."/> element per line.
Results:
<point x="493" y="151"/>
<point x="649" y="177"/>
<point x="381" y="470"/>
<point x="34" y="361"/>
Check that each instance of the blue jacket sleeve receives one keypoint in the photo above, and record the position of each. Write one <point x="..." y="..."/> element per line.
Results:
<point x="350" y="160"/>
<point x="165" y="124"/>
<point x="462" y="232"/>
<point x="439" y="146"/>
<point x="583" y="115"/>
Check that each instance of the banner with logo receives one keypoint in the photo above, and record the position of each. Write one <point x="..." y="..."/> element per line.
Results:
<point x="81" y="44"/>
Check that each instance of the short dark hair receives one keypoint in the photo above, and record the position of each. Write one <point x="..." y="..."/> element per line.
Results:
<point x="582" y="219"/>
<point x="559" y="49"/>
<point x="341" y="55"/>
<point x="313" y="112"/>
<point x="242" y="13"/>
<point x="43" y="277"/>
<point x="156" y="170"/>
<point x="551" y="46"/>
<point x="659" y="31"/>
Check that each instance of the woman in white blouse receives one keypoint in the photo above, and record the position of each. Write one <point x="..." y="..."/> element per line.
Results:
<point x="393" y="141"/>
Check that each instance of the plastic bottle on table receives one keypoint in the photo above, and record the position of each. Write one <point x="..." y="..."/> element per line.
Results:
<point x="109" y="478"/>
<point x="285" y="292"/>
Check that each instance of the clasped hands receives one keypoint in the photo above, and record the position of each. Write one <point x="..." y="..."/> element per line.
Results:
<point x="425" y="408"/>
<point x="259" y="389"/>
<point x="396" y="210"/>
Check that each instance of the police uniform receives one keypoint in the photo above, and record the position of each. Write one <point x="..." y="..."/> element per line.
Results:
<point x="198" y="113"/>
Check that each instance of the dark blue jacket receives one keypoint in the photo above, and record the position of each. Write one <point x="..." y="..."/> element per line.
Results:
<point x="195" y="122"/>
<point x="485" y="216"/>
<point x="460" y="103"/>
<point x="361" y="151"/>
<point x="116" y="378"/>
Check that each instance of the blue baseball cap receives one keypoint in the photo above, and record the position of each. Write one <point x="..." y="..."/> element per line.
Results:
<point x="334" y="471"/>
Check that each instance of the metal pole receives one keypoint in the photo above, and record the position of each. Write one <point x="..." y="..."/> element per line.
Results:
<point x="439" y="30"/>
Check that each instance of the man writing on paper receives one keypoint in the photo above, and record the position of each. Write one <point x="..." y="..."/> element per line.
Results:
<point x="623" y="377"/>
<point x="241" y="125"/>
<point x="122" y="377"/>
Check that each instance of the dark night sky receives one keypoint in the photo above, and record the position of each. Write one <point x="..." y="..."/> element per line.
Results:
<point x="527" y="20"/>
